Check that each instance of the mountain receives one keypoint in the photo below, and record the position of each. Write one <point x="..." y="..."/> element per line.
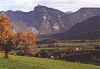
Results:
<point x="69" y="12"/>
<point x="47" y="20"/>
<point x="86" y="36"/>
<point x="51" y="21"/>
<point x="88" y="29"/>
<point x="25" y="17"/>
<point x="20" y="21"/>
<point x="79" y="16"/>
<point x="44" y="20"/>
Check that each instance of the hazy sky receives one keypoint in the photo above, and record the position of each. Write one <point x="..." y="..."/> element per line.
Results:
<point x="63" y="5"/>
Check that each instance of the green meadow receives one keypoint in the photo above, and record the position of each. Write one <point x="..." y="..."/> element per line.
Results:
<point x="24" y="62"/>
<point x="71" y="45"/>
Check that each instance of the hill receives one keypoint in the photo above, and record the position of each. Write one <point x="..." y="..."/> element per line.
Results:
<point x="88" y="29"/>
<point x="23" y="62"/>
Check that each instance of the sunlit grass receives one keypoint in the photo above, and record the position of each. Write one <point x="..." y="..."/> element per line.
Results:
<point x="24" y="62"/>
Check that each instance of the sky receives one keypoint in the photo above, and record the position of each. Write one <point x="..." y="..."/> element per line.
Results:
<point x="62" y="5"/>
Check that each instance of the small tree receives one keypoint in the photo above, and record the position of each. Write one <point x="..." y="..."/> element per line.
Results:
<point x="28" y="43"/>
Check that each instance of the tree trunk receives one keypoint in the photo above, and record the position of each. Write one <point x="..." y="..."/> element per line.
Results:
<point x="6" y="55"/>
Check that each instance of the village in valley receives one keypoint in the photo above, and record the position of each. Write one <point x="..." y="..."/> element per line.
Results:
<point x="78" y="51"/>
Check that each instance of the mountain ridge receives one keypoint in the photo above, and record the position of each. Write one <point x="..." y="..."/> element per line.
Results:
<point x="46" y="20"/>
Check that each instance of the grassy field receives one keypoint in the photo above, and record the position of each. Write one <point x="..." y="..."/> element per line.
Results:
<point x="61" y="48"/>
<point x="24" y="62"/>
<point x="73" y="45"/>
<point x="16" y="62"/>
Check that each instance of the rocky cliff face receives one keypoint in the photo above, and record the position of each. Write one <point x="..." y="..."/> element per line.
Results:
<point x="47" y="20"/>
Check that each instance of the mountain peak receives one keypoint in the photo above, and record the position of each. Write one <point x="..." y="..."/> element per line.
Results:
<point x="39" y="5"/>
<point x="39" y="8"/>
<point x="68" y="12"/>
<point x="9" y="11"/>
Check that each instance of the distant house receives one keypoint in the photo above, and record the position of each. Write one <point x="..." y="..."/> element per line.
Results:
<point x="76" y="49"/>
<point x="52" y="57"/>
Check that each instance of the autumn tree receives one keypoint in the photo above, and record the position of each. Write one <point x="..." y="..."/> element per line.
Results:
<point x="29" y="43"/>
<point x="8" y="40"/>
<point x="18" y="38"/>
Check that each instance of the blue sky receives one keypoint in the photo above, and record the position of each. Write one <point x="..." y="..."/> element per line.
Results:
<point x="63" y="5"/>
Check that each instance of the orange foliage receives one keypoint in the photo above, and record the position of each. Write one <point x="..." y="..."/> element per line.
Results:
<point x="8" y="41"/>
<point x="29" y="43"/>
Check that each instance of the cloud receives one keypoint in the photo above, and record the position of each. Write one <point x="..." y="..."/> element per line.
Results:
<point x="89" y="3"/>
<point x="63" y="5"/>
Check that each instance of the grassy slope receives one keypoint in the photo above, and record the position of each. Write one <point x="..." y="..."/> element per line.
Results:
<point x="23" y="62"/>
